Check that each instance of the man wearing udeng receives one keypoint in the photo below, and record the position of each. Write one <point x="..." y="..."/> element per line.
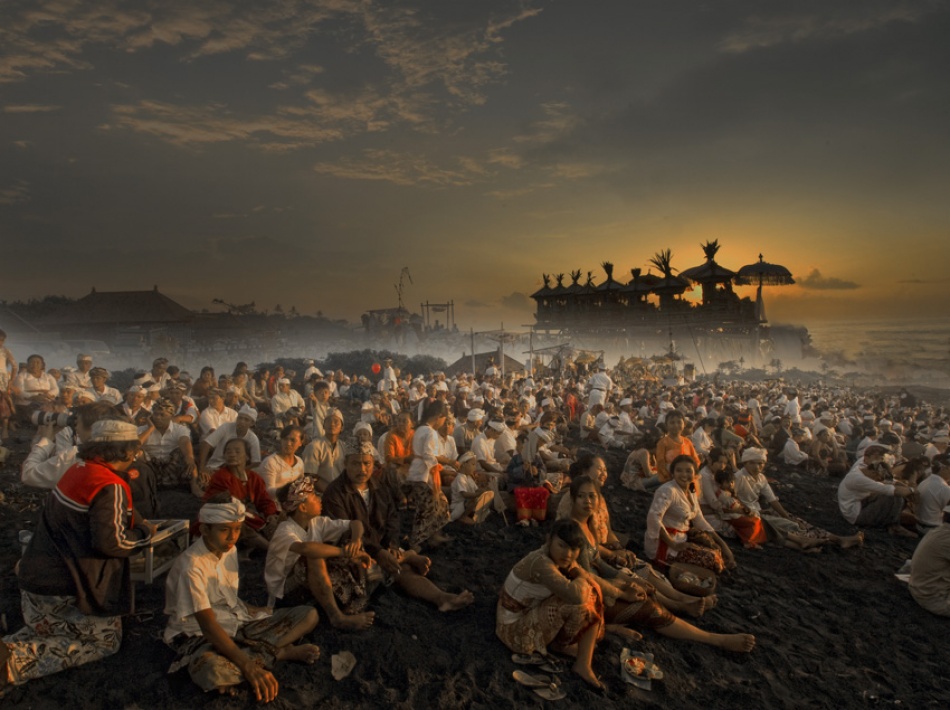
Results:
<point x="74" y="577"/>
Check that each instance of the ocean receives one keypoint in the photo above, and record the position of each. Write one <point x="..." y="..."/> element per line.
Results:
<point x="911" y="351"/>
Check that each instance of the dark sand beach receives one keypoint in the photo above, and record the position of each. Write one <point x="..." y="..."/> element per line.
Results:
<point x="834" y="629"/>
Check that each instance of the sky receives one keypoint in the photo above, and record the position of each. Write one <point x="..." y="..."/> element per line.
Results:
<point x="303" y="152"/>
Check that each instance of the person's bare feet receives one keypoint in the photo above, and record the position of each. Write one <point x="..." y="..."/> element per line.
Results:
<point x="302" y="653"/>
<point x="696" y="607"/>
<point x="739" y="643"/>
<point x="711" y="601"/>
<point x="624" y="633"/>
<point x="852" y="541"/>
<point x="419" y="563"/>
<point x="353" y="622"/>
<point x="587" y="675"/>
<point x="457" y="601"/>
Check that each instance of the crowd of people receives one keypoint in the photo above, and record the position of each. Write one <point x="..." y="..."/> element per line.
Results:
<point x="341" y="510"/>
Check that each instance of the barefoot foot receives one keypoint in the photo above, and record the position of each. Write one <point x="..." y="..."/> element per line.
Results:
<point x="586" y="674"/>
<point x="739" y="643"/>
<point x="302" y="653"/>
<point x="623" y="632"/>
<point x="354" y="622"/>
<point x="852" y="541"/>
<point x="457" y="601"/>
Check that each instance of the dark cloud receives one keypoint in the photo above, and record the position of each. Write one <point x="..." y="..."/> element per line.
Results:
<point x="817" y="282"/>
<point x="516" y="299"/>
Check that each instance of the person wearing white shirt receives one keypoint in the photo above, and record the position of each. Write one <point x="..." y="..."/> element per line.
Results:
<point x="792" y="453"/>
<point x="34" y="387"/>
<point x="211" y="450"/>
<point x="868" y="502"/>
<point x="702" y="441"/>
<point x="599" y="386"/>
<point x="222" y="640"/>
<point x="470" y="501"/>
<point x="933" y="495"/>
<point x="283" y="466"/>
<point x="167" y="450"/>
<point x="324" y="458"/>
<point x="215" y="414"/>
<point x="49" y="459"/>
<point x="79" y="378"/>
<point x="484" y="447"/>
<point x="99" y="376"/>
<point x="311" y="551"/>
<point x="287" y="405"/>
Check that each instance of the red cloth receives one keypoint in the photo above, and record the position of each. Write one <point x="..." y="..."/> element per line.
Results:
<point x="750" y="530"/>
<point x="662" y="551"/>
<point x="253" y="493"/>
<point x="85" y="481"/>
<point x="532" y="499"/>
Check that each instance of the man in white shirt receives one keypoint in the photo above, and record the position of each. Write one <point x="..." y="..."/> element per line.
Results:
<point x="287" y="405"/>
<point x="79" y="378"/>
<point x="222" y="640"/>
<point x="211" y="450"/>
<point x="314" y="552"/>
<point x="599" y="386"/>
<point x="324" y="458"/>
<point x="215" y="414"/>
<point x="167" y="449"/>
<point x="49" y="459"/>
<point x="484" y="447"/>
<point x="933" y="495"/>
<point x="98" y="376"/>
<point x="868" y="502"/>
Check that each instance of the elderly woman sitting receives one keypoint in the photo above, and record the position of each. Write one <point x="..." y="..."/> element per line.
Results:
<point x="249" y="488"/>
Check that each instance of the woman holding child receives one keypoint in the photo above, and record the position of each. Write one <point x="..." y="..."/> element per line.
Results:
<point x="677" y="531"/>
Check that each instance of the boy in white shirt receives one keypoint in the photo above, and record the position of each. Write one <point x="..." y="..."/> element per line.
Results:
<point x="471" y="503"/>
<point x="222" y="640"/>
<point x="307" y="550"/>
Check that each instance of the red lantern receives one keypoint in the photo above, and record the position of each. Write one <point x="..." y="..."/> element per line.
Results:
<point x="376" y="368"/>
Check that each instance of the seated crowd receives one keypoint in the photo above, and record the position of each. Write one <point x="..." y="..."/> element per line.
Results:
<point x="276" y="468"/>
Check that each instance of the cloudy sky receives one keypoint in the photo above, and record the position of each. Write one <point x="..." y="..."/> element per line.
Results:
<point x="302" y="152"/>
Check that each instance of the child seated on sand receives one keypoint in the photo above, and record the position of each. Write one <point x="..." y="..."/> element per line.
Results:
<point x="308" y="551"/>
<point x="222" y="640"/>
<point x="735" y="513"/>
<point x="471" y="498"/>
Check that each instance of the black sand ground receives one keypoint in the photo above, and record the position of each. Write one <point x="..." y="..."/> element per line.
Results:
<point x="833" y="630"/>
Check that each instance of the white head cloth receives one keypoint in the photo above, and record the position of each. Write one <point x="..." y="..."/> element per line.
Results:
<point x="754" y="454"/>
<point x="213" y="513"/>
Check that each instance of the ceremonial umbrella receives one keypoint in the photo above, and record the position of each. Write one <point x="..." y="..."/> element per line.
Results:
<point x="763" y="274"/>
